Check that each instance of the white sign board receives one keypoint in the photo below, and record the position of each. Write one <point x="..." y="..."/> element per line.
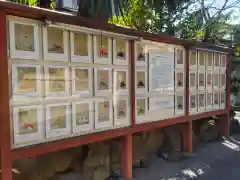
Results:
<point x="161" y="102"/>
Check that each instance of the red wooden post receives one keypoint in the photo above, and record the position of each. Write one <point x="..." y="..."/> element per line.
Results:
<point x="5" y="137"/>
<point x="126" y="153"/>
<point x="132" y="80"/>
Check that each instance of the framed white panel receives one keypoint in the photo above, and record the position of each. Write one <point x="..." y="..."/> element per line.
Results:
<point x="121" y="112"/>
<point x="217" y="61"/>
<point x="81" y="47"/>
<point x="223" y="99"/>
<point x="201" y="81"/>
<point x="193" y="59"/>
<point x="102" y="50"/>
<point x="82" y="81"/>
<point x="141" y="55"/>
<point x="56" y="81"/>
<point x="216" y="100"/>
<point x="209" y="101"/>
<point x="201" y="60"/>
<point x="141" y="81"/>
<point x="120" y="52"/>
<point x="24" y="39"/>
<point x="58" y="120"/>
<point x="193" y="79"/>
<point x="56" y="44"/>
<point x="223" y="81"/>
<point x="26" y="82"/>
<point x="179" y="80"/>
<point x="209" y="80"/>
<point x="103" y="81"/>
<point x="179" y="58"/>
<point x="223" y="62"/>
<point x="201" y="102"/>
<point x="141" y="109"/>
<point x="193" y="103"/>
<point x="27" y="125"/>
<point x="103" y="114"/>
<point x="209" y="60"/>
<point x="82" y="117"/>
<point x="180" y="104"/>
<point x="215" y="80"/>
<point x="121" y="81"/>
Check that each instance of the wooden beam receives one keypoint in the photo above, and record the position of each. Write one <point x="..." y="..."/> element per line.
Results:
<point x="5" y="136"/>
<point x="132" y="81"/>
<point x="187" y="136"/>
<point x="126" y="158"/>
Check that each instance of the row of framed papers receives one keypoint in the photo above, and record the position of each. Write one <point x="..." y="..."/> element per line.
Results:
<point x="25" y="41"/>
<point x="206" y="101"/>
<point x="28" y="80"/>
<point x="35" y="124"/>
<point x="203" y="60"/>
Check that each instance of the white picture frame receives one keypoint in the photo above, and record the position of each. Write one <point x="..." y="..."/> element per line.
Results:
<point x="48" y="93"/>
<point x="193" y="103"/>
<point x="193" y="56"/>
<point x="79" y="58"/>
<point x="209" y="60"/>
<point x="216" y="100"/>
<point x="117" y="60"/>
<point x="223" y="62"/>
<point x="141" y="87"/>
<point x="179" y="80"/>
<point x="209" y="101"/>
<point x="51" y="56"/>
<point x="201" y="60"/>
<point x="201" y="102"/>
<point x="179" y="58"/>
<point x="201" y="80"/>
<point x="141" y="58"/>
<point x="58" y="132"/>
<point x="102" y="60"/>
<point x="141" y="116"/>
<point x="24" y="54"/>
<point x="217" y="61"/>
<point x="28" y="138"/>
<point x="109" y="122"/>
<point x="121" y="84"/>
<point x="222" y="99"/>
<point x="118" y="120"/>
<point x="209" y="80"/>
<point x="222" y="81"/>
<point x="179" y="104"/>
<point x="103" y="92"/>
<point x="193" y="77"/>
<point x="216" y="80"/>
<point x="81" y="127"/>
<point x="89" y="80"/>
<point x="28" y="95"/>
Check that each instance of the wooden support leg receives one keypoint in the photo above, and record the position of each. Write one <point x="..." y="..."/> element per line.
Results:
<point x="127" y="157"/>
<point x="224" y="125"/>
<point x="187" y="136"/>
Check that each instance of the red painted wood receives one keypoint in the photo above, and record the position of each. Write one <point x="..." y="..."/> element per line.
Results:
<point x="5" y="137"/>
<point x="187" y="81"/>
<point x="228" y="77"/>
<point x="187" y="136"/>
<point x="126" y="158"/>
<point x="133" y="97"/>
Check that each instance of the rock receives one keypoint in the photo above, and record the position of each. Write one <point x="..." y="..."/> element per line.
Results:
<point x="209" y="131"/>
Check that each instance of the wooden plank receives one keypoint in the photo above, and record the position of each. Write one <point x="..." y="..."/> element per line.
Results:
<point x="133" y="97"/>
<point x="187" y="136"/>
<point x="126" y="158"/>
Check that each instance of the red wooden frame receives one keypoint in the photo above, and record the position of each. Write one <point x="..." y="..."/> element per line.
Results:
<point x="7" y="155"/>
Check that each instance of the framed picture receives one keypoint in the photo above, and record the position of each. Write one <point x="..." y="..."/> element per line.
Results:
<point x="223" y="99"/>
<point x="193" y="80"/>
<point x="27" y="125"/>
<point x="193" y="59"/>
<point x="209" y="101"/>
<point x="223" y="81"/>
<point x="217" y="61"/>
<point x="215" y="80"/>
<point x="82" y="117"/>
<point x="121" y="112"/>
<point x="82" y="81"/>
<point x="179" y="104"/>
<point x="141" y="81"/>
<point x="103" y="81"/>
<point x="193" y="103"/>
<point x="201" y="102"/>
<point x="81" y="47"/>
<point x="26" y="82"/>
<point x="56" y="81"/>
<point x="209" y="60"/>
<point x="121" y="84"/>
<point x="24" y="39"/>
<point x="179" y="58"/>
<point x="216" y="102"/>
<point x="55" y="44"/>
<point x="102" y="49"/>
<point x="179" y="80"/>
<point x="58" y="120"/>
<point x="141" y="109"/>
<point x="201" y="60"/>
<point x="201" y="80"/>
<point x="209" y="80"/>
<point x="103" y="114"/>
<point x="120" y="52"/>
<point x="223" y="62"/>
<point x="140" y="54"/>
